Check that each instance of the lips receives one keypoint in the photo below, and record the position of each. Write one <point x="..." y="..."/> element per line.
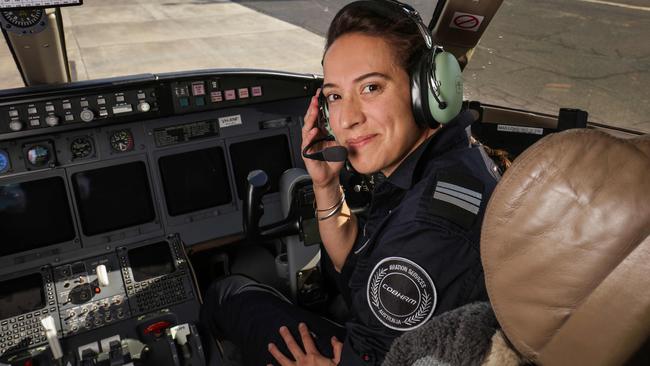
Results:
<point x="360" y="141"/>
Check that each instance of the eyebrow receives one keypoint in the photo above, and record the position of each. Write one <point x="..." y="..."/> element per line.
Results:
<point x="360" y="78"/>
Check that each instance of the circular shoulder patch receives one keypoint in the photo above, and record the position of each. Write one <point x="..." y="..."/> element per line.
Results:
<point x="401" y="294"/>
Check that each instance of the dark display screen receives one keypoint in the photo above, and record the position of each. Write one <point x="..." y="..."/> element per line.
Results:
<point x="113" y="198"/>
<point x="270" y="154"/>
<point x="151" y="261"/>
<point x="195" y="180"/>
<point x="21" y="295"/>
<point x="34" y="214"/>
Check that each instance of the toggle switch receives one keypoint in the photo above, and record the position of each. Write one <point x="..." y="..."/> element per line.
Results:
<point x="102" y="276"/>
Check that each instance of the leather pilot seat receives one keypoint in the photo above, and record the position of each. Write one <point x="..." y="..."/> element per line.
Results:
<point x="565" y="246"/>
<point x="566" y="250"/>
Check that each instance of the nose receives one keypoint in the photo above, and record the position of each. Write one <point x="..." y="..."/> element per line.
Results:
<point x="350" y="113"/>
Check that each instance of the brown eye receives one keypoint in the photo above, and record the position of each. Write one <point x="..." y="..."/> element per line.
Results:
<point x="370" y="88"/>
<point x="332" y="97"/>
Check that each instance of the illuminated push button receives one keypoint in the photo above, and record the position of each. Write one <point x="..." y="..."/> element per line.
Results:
<point x="230" y="94"/>
<point x="32" y="110"/>
<point x="243" y="93"/>
<point x="184" y="102"/>
<point x="49" y="108"/>
<point x="69" y="117"/>
<point x="35" y="122"/>
<point x="101" y="101"/>
<point x="13" y="113"/>
<point x="199" y="101"/>
<point x="216" y="96"/>
<point x="67" y="105"/>
<point x="256" y="91"/>
<point x="141" y="95"/>
<point x="119" y="98"/>
<point x="123" y="108"/>
<point x="83" y="103"/>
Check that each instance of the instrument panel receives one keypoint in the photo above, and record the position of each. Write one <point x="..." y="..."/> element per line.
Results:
<point x="104" y="183"/>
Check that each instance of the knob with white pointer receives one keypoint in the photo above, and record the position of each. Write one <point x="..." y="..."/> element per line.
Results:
<point x="102" y="276"/>
<point x="15" y="125"/>
<point x="87" y="115"/>
<point x="52" y="120"/>
<point x="144" y="106"/>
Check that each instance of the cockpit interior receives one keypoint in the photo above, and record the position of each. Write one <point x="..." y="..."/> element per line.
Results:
<point x="122" y="199"/>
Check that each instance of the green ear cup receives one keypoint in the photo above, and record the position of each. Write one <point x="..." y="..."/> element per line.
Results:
<point x="451" y="87"/>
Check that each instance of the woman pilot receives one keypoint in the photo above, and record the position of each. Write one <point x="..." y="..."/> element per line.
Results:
<point x="393" y="101"/>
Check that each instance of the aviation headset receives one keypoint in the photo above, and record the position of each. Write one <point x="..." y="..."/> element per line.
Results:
<point x="436" y="82"/>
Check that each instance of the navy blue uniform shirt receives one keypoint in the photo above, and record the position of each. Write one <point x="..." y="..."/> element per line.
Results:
<point x="417" y="254"/>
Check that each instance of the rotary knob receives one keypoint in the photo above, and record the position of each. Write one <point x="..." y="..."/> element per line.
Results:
<point x="87" y="115"/>
<point x="144" y="107"/>
<point x="15" y="125"/>
<point x="52" y="120"/>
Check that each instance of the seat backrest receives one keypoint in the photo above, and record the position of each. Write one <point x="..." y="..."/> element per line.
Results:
<point x="566" y="249"/>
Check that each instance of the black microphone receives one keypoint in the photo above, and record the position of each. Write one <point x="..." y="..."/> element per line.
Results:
<point x="332" y="154"/>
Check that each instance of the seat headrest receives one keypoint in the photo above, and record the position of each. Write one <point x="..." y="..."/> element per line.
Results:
<point x="565" y="245"/>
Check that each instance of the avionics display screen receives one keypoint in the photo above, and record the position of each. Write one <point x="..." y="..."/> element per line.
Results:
<point x="113" y="197"/>
<point x="34" y="214"/>
<point x="21" y="295"/>
<point x="270" y="154"/>
<point x="150" y="261"/>
<point x="195" y="180"/>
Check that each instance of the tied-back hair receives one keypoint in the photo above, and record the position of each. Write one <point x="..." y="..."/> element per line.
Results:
<point x="396" y="28"/>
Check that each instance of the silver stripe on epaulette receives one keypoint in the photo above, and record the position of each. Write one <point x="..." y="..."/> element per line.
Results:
<point x="456" y="202"/>
<point x="462" y="196"/>
<point x="460" y="189"/>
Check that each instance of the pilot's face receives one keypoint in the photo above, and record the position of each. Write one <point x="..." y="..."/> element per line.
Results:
<point x="369" y="100"/>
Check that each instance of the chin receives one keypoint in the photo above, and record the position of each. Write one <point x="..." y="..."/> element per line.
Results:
<point x="363" y="167"/>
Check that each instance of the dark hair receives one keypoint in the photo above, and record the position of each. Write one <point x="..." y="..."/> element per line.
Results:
<point x="392" y="25"/>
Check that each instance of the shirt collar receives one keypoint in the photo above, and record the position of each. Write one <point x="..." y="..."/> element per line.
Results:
<point x="448" y="137"/>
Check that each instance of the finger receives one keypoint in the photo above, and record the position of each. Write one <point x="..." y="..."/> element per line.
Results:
<point x="293" y="347"/>
<point x="337" y="349"/>
<point x="311" y="115"/>
<point x="309" y="137"/>
<point x="307" y="340"/>
<point x="279" y="356"/>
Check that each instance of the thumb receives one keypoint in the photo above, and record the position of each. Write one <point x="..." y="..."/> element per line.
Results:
<point x="337" y="348"/>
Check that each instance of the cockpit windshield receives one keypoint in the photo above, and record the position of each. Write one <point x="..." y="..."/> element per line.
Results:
<point x="534" y="56"/>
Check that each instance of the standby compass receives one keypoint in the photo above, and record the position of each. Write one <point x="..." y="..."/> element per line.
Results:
<point x="23" y="21"/>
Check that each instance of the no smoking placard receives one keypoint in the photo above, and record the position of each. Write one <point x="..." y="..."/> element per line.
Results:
<point x="466" y="21"/>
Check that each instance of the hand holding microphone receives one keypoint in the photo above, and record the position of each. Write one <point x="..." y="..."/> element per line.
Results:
<point x="322" y="156"/>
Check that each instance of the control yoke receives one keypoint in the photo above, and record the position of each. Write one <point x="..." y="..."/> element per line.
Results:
<point x="257" y="185"/>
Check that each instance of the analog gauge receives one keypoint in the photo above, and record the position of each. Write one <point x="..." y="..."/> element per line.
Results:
<point x="23" y="18"/>
<point x="122" y="140"/>
<point x="81" y="147"/>
<point x="38" y="155"/>
<point x="4" y="162"/>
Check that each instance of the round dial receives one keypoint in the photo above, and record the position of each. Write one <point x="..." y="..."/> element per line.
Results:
<point x="23" y="18"/>
<point x="122" y="140"/>
<point x="81" y="147"/>
<point x="38" y="155"/>
<point x="4" y="161"/>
